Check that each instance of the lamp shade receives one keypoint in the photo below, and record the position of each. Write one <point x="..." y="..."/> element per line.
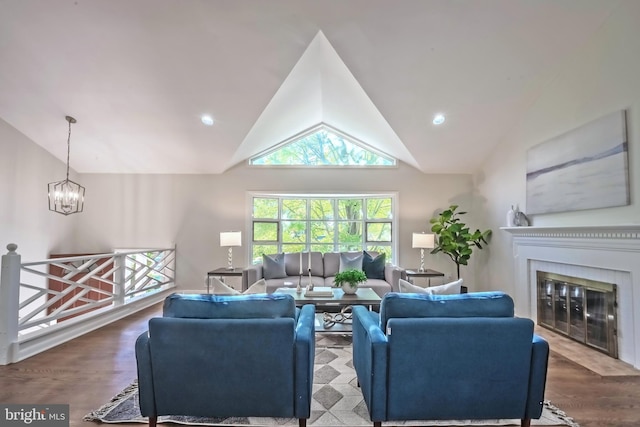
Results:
<point x="423" y="241"/>
<point x="231" y="238"/>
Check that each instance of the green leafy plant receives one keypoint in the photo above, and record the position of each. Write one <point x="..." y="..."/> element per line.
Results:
<point x="454" y="238"/>
<point x="351" y="277"/>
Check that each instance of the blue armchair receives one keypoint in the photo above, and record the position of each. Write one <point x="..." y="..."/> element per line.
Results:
<point x="443" y="357"/>
<point x="227" y="356"/>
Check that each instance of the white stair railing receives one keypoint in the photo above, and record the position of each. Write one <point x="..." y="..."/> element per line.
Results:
<point x="45" y="303"/>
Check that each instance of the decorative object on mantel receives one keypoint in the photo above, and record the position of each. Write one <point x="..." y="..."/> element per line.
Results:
<point x="230" y="239"/>
<point x="511" y="216"/>
<point x="585" y="168"/>
<point x="349" y="280"/>
<point x="422" y="241"/>
<point x="66" y="197"/>
<point x="519" y="218"/>
<point x="454" y="238"/>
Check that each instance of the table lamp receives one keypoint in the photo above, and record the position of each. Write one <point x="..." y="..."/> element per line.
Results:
<point x="423" y="241"/>
<point x="230" y="239"/>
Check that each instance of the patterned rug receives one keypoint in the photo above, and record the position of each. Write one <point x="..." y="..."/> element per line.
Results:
<point x="337" y="401"/>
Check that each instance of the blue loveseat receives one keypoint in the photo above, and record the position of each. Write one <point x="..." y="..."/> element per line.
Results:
<point x="227" y="356"/>
<point x="443" y="357"/>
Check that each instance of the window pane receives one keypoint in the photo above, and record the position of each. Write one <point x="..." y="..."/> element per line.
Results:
<point x="321" y="148"/>
<point x="259" y="250"/>
<point x="265" y="231"/>
<point x="322" y="248"/>
<point x="354" y="247"/>
<point x="293" y="248"/>
<point x="321" y="209"/>
<point x="350" y="209"/>
<point x="379" y="208"/>
<point x="265" y="208"/>
<point x="294" y="231"/>
<point x="322" y="232"/>
<point x="294" y="209"/>
<point x="378" y="232"/>
<point x="350" y="232"/>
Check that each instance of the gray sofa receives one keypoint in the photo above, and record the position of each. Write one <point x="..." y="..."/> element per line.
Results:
<point x="323" y="269"/>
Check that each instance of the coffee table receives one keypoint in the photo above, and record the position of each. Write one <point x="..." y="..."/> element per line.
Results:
<point x="335" y="322"/>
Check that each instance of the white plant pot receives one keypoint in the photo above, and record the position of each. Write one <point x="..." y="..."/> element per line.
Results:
<point x="348" y="289"/>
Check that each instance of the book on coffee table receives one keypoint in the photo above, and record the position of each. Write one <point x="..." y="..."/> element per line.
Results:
<point x="319" y="291"/>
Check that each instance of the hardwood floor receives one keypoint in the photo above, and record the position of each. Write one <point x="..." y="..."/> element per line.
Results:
<point x="89" y="370"/>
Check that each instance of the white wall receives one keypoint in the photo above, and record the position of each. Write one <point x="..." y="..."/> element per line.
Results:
<point x="136" y="211"/>
<point x="25" y="219"/>
<point x="602" y="77"/>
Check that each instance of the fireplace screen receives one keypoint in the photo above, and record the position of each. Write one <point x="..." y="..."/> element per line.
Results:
<point x="584" y="310"/>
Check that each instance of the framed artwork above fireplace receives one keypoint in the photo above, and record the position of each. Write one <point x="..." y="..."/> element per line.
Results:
<point x="585" y="168"/>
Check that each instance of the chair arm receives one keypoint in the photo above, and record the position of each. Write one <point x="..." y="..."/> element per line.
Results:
<point x="304" y="361"/>
<point x="145" y="376"/>
<point x="370" y="360"/>
<point x="537" y="377"/>
<point x="392" y="275"/>
<point x="251" y="275"/>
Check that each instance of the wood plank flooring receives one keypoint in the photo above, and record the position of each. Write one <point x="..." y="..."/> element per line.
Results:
<point x="89" y="370"/>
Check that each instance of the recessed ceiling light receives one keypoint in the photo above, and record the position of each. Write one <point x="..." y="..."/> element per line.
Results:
<point x="438" y="119"/>
<point x="207" y="120"/>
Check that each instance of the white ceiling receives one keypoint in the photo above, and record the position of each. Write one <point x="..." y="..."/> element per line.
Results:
<point x="138" y="74"/>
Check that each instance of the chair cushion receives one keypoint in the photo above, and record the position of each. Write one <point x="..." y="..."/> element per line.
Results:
<point x="204" y="306"/>
<point x="273" y="266"/>
<point x="476" y="304"/>
<point x="373" y="265"/>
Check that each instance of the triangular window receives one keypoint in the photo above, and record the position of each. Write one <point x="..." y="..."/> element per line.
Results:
<point x="322" y="146"/>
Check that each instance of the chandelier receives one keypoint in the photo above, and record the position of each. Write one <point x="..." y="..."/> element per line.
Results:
<point x="66" y="197"/>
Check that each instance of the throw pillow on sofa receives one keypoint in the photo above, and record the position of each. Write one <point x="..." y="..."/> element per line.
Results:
<point x="373" y="267"/>
<point x="260" y="287"/>
<point x="273" y="266"/>
<point x="350" y="261"/>
<point x="220" y="288"/>
<point x="446" y="289"/>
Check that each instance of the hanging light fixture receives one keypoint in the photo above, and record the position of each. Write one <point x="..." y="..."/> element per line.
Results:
<point x="66" y="197"/>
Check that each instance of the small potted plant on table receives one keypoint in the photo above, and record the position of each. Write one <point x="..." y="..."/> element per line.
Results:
<point x="349" y="280"/>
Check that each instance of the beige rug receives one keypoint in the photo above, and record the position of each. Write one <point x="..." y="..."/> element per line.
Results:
<point x="337" y="401"/>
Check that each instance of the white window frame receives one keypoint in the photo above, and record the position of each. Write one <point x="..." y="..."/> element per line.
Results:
<point x="359" y="195"/>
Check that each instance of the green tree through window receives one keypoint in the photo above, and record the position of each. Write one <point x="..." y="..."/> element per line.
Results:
<point x="323" y="146"/>
<point x="321" y="224"/>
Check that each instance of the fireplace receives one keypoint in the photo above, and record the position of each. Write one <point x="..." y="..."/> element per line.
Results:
<point x="581" y="309"/>
<point x="608" y="254"/>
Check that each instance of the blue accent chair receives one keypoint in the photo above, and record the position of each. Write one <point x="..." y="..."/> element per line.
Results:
<point x="228" y="356"/>
<point x="445" y="357"/>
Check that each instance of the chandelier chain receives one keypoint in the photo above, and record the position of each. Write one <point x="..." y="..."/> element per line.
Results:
<point x="68" y="148"/>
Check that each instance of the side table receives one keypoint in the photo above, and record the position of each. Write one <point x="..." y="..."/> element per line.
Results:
<point x="428" y="273"/>
<point x="223" y="272"/>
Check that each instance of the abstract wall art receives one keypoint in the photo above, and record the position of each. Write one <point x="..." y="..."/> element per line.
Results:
<point x="585" y="168"/>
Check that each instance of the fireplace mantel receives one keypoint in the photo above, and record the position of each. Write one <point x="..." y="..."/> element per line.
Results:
<point x="626" y="231"/>
<point x="607" y="253"/>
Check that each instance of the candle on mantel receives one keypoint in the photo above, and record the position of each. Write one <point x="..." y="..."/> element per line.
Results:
<point x="301" y="263"/>
<point x="309" y="261"/>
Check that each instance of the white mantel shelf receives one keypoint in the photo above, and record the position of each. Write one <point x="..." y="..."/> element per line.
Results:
<point x="625" y="231"/>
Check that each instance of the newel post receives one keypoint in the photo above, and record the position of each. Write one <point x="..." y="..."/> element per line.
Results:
<point x="9" y="304"/>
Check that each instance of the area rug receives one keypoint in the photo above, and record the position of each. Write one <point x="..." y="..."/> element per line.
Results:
<point x="337" y="401"/>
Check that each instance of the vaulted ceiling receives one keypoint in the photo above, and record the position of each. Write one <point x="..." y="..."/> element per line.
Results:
<point x="138" y="74"/>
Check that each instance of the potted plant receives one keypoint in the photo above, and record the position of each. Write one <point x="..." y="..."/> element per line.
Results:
<point x="454" y="238"/>
<point x="349" y="280"/>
